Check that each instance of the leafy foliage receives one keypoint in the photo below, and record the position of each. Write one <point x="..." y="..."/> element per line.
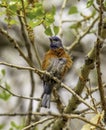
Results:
<point x="73" y="10"/>
<point x="2" y="126"/>
<point x="4" y="95"/>
<point x="14" y="126"/>
<point x="75" y="25"/>
<point x="35" y="15"/>
<point x="89" y="3"/>
<point x="3" y="72"/>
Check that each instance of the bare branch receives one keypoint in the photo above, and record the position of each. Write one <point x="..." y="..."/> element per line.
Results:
<point x="98" y="46"/>
<point x="61" y="13"/>
<point x="66" y="116"/>
<point x="15" y="44"/>
<point x="74" y="44"/>
<point x="36" y="123"/>
<point x="19" y="96"/>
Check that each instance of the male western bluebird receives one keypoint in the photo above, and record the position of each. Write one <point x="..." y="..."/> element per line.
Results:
<point x="57" y="62"/>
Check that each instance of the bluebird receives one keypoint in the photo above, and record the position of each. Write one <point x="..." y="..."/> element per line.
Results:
<point x="57" y="62"/>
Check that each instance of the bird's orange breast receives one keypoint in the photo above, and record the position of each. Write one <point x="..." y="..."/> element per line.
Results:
<point x="57" y="53"/>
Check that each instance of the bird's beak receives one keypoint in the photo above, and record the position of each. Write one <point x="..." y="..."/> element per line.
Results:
<point x="50" y="39"/>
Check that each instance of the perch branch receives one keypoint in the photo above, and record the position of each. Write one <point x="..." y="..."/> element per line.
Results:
<point x="40" y="73"/>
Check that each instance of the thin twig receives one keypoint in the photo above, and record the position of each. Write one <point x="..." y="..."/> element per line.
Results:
<point x="84" y="111"/>
<point x="36" y="123"/>
<point x="67" y="116"/>
<point x="36" y="54"/>
<point x="61" y="13"/>
<point x="95" y="7"/>
<point x="22" y="67"/>
<point x="77" y="21"/>
<point x="26" y="38"/>
<point x="59" y="103"/>
<point x="28" y="48"/>
<point x="91" y="97"/>
<point x="98" y="59"/>
<point x="30" y="33"/>
<point x="19" y="96"/>
<point x="23" y="8"/>
<point x="74" y="44"/>
<point x="48" y="125"/>
<point x="15" y="44"/>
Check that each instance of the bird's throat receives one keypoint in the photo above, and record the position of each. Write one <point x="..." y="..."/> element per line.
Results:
<point x="59" y="52"/>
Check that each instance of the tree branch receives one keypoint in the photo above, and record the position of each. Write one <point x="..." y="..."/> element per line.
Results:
<point x="65" y="116"/>
<point x="19" y="96"/>
<point x="36" y="123"/>
<point x="98" y="60"/>
<point x="61" y="13"/>
<point x="40" y="73"/>
<point x="78" y="39"/>
<point x="3" y="32"/>
<point x="28" y="48"/>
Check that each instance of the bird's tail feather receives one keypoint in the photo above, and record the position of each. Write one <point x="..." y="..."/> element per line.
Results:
<point x="45" y="100"/>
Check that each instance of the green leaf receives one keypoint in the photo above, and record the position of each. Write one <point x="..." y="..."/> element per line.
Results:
<point x="11" y="129"/>
<point x="3" y="72"/>
<point x="35" y="23"/>
<point x="2" y="12"/>
<point x="17" y="127"/>
<point x="104" y="3"/>
<point x="7" y="86"/>
<point x="13" y="124"/>
<point x="90" y="3"/>
<point x="56" y="29"/>
<point x="1" y="126"/>
<point x="53" y="10"/>
<point x="37" y="12"/>
<point x="76" y="25"/>
<point x="73" y="10"/>
<point x="104" y="6"/>
<point x="93" y="13"/>
<point x="13" y="6"/>
<point x="48" y="31"/>
<point x="12" y="21"/>
<point x="49" y="19"/>
<point x="4" y="94"/>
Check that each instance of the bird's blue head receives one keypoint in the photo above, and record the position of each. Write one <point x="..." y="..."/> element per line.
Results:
<point x="55" y="42"/>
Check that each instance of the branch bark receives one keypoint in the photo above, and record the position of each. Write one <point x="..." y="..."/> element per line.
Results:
<point x="98" y="46"/>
